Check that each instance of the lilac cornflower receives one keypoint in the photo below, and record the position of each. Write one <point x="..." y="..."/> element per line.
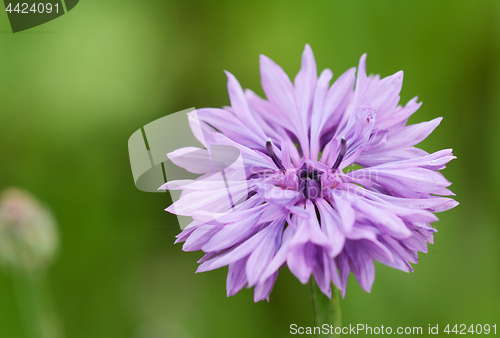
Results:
<point x="331" y="180"/>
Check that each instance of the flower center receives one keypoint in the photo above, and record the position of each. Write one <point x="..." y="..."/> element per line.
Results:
<point x="309" y="182"/>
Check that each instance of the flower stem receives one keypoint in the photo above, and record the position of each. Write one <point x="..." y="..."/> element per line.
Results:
<point x="28" y="303"/>
<point x="325" y="311"/>
<point x="35" y="306"/>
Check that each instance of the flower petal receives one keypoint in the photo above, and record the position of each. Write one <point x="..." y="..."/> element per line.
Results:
<point x="236" y="278"/>
<point x="362" y="264"/>
<point x="240" y="107"/>
<point x="318" y="117"/>
<point x="304" y="87"/>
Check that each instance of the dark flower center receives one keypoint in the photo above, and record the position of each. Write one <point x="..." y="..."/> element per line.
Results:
<point x="309" y="178"/>
<point x="309" y="182"/>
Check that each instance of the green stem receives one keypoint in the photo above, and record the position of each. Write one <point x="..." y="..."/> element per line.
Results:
<point x="28" y="303"/>
<point x="325" y="311"/>
<point x="35" y="305"/>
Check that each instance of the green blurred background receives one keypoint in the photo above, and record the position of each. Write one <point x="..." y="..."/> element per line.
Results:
<point x="73" y="91"/>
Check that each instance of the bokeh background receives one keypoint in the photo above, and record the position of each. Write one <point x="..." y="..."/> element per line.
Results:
<point x="73" y="91"/>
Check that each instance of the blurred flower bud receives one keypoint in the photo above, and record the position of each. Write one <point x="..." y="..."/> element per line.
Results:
<point x="28" y="233"/>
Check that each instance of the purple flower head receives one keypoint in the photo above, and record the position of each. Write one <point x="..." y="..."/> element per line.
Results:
<point x="328" y="180"/>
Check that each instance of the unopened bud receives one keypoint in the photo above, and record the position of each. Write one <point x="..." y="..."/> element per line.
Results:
<point x="28" y="233"/>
